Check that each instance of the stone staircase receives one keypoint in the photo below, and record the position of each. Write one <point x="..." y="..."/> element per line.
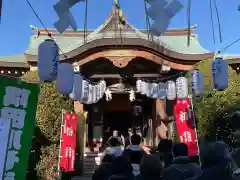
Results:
<point x="90" y="163"/>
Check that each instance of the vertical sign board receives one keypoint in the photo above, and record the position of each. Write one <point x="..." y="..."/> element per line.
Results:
<point x="18" y="104"/>
<point x="185" y="125"/>
<point x="68" y="142"/>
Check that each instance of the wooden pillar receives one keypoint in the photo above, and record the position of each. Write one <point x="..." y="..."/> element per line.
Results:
<point x="160" y="121"/>
<point x="81" y="134"/>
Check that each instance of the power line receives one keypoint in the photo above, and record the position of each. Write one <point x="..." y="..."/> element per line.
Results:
<point x="39" y="19"/>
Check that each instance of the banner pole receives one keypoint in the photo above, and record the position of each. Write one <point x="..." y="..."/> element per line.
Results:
<point x="195" y="127"/>
<point x="60" y="147"/>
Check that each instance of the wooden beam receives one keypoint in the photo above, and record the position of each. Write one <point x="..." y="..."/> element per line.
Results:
<point x="112" y="76"/>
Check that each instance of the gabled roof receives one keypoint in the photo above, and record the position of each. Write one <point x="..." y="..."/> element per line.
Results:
<point x="174" y="39"/>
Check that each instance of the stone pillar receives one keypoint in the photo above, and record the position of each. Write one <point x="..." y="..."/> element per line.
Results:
<point x="160" y="121"/>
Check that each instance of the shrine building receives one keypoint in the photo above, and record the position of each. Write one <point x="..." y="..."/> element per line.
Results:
<point x="120" y="54"/>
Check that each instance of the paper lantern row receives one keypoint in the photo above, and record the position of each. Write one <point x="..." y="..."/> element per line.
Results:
<point x="68" y="83"/>
<point x="171" y="90"/>
<point x="85" y="92"/>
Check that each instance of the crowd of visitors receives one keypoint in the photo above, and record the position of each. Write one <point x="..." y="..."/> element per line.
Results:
<point x="167" y="162"/>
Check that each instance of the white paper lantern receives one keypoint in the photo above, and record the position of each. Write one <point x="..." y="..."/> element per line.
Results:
<point x="197" y="83"/>
<point x="103" y="87"/>
<point x="48" y="60"/>
<point x="143" y="88"/>
<point x="77" y="88"/>
<point x="90" y="95"/>
<point x="65" y="78"/>
<point x="148" y="89"/>
<point x="94" y="97"/>
<point x="85" y="92"/>
<point x="97" y="92"/>
<point x="138" y="85"/>
<point x="154" y="90"/>
<point x="182" y="87"/>
<point x="171" y="90"/>
<point x="162" y="90"/>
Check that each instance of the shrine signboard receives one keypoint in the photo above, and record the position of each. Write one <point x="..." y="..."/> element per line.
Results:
<point x="18" y="104"/>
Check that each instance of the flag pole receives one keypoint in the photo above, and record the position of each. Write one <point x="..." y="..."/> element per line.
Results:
<point x="60" y="147"/>
<point x="195" y="127"/>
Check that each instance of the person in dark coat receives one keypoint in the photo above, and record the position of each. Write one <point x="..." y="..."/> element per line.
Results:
<point x="150" y="168"/>
<point x="164" y="151"/>
<point x="103" y="172"/>
<point x="216" y="162"/>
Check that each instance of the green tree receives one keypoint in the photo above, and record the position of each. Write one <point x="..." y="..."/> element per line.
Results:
<point x="48" y="120"/>
<point x="213" y="107"/>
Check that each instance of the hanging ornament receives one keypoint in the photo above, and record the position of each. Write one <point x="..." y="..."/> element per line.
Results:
<point x="85" y="92"/>
<point x="197" y="83"/>
<point x="132" y="95"/>
<point x="162" y="90"/>
<point x="161" y="12"/>
<point x="220" y="73"/>
<point x="182" y="87"/>
<point x="108" y="95"/>
<point x="138" y="85"/>
<point x="76" y="94"/>
<point x="65" y="78"/>
<point x="48" y="60"/>
<point x="171" y="90"/>
<point x="154" y="90"/>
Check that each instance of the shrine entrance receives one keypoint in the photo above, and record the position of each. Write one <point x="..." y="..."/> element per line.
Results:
<point x="120" y="115"/>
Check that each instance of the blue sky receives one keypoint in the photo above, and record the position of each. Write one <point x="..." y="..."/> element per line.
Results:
<point x="17" y="16"/>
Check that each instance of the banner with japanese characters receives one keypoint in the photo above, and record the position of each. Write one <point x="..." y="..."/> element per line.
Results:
<point x="18" y="104"/>
<point x="185" y="125"/>
<point x="68" y="142"/>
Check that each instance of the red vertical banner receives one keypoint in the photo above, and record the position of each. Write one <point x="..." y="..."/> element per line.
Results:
<point x="68" y="142"/>
<point x="185" y="125"/>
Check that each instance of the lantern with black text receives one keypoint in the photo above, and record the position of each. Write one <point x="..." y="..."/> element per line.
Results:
<point x="94" y="97"/>
<point x="220" y="73"/>
<point x="182" y="87"/>
<point x="148" y="89"/>
<point x="48" y="60"/>
<point x="85" y="92"/>
<point x="154" y="90"/>
<point x="65" y="78"/>
<point x="171" y="90"/>
<point x="138" y="85"/>
<point x="143" y="87"/>
<point x="197" y="83"/>
<point x="162" y="91"/>
<point x="90" y="95"/>
<point x="77" y="88"/>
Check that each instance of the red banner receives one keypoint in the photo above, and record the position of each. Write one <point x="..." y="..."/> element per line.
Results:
<point x="68" y="142"/>
<point x="185" y="125"/>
